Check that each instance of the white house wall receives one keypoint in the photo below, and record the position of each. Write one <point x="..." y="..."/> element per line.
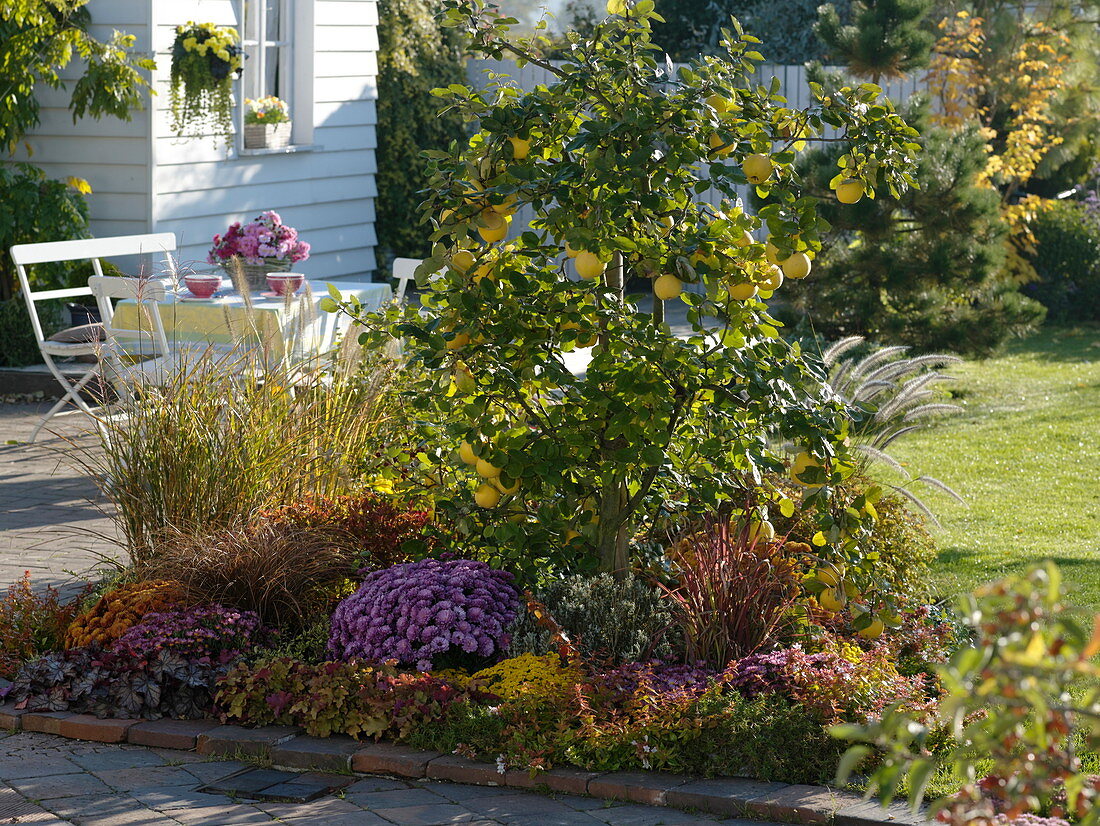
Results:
<point x="112" y="155"/>
<point x="327" y="193"/>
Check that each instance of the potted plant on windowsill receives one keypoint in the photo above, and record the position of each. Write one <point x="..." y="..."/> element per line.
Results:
<point x="266" y="123"/>
<point x="255" y="249"/>
<point x="205" y="61"/>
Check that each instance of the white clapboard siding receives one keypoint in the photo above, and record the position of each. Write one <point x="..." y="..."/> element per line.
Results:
<point x="202" y="186"/>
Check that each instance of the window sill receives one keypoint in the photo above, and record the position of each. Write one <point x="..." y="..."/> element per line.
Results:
<point x="282" y="150"/>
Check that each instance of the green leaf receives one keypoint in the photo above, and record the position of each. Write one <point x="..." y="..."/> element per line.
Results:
<point x="853" y="756"/>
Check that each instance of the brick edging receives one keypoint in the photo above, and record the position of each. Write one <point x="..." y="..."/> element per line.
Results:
<point x="289" y="747"/>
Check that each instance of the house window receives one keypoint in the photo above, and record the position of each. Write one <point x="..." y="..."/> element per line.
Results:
<point x="268" y="70"/>
<point x="277" y="36"/>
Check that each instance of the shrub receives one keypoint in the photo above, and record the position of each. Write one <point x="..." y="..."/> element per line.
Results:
<point x="284" y="574"/>
<point x="415" y="55"/>
<point x="425" y="612"/>
<point x="351" y="698"/>
<point x="732" y="593"/>
<point x="206" y="633"/>
<point x="377" y="527"/>
<point x="607" y="618"/>
<point x="32" y="623"/>
<point x="839" y="683"/>
<point x="527" y="673"/>
<point x="113" y="614"/>
<point x="113" y="684"/>
<point x="208" y="449"/>
<point x="899" y="537"/>
<point x="1067" y="260"/>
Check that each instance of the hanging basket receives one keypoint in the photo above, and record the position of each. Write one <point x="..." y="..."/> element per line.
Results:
<point x="267" y="135"/>
<point x="255" y="274"/>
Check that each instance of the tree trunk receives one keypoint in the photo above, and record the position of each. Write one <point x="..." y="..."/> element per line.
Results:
<point x="612" y="533"/>
<point x="612" y="536"/>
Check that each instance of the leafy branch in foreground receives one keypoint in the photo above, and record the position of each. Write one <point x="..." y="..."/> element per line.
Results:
<point x="1023" y="696"/>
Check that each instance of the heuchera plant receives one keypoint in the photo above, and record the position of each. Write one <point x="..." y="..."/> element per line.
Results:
<point x="207" y="633"/>
<point x="111" y="684"/>
<point x="266" y="238"/>
<point x="420" y="611"/>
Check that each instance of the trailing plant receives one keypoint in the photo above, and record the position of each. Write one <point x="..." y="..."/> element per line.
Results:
<point x="654" y="415"/>
<point x="282" y="573"/>
<point x="733" y="590"/>
<point x="32" y="622"/>
<point x="1020" y="701"/>
<point x="89" y="680"/>
<point x="205" y="61"/>
<point x="121" y="608"/>
<point x="427" y="613"/>
<point x="607" y="618"/>
<point x="839" y="682"/>
<point x="383" y="532"/>
<point x="207" y="449"/>
<point x="898" y="396"/>
<point x="205" y="633"/>
<point x="353" y="698"/>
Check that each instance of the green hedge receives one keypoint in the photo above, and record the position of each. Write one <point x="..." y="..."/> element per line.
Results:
<point x="1067" y="258"/>
<point x="415" y="56"/>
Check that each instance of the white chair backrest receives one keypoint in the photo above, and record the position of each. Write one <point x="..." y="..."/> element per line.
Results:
<point x="404" y="270"/>
<point x="148" y="294"/>
<point x="84" y="249"/>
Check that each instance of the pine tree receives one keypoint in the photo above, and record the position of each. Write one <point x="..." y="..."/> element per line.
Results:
<point x="887" y="38"/>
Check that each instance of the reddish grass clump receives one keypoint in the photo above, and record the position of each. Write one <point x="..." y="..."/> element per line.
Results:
<point x="732" y="593"/>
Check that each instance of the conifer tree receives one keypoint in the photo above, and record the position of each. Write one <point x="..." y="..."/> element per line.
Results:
<point x="886" y="38"/>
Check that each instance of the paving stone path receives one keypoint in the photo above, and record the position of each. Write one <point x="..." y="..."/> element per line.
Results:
<point x="48" y="781"/>
<point x="51" y="522"/>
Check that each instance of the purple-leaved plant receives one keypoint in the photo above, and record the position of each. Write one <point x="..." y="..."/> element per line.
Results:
<point x="205" y="633"/>
<point x="418" y="612"/>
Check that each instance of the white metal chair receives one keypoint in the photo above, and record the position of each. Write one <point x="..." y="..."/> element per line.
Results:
<point x="404" y="270"/>
<point x="143" y="355"/>
<point x="93" y="249"/>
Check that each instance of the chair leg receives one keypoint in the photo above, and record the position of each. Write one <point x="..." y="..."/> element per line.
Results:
<point x="72" y="393"/>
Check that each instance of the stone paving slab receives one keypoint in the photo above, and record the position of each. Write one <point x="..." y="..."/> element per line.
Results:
<point x="52" y="521"/>
<point x="45" y="779"/>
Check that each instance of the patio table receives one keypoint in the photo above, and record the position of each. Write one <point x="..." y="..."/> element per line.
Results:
<point x="223" y="321"/>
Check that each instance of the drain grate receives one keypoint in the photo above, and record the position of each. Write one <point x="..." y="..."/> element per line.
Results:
<point x="277" y="786"/>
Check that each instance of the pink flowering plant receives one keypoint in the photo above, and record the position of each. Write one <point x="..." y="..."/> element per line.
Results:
<point x="265" y="240"/>
<point x="427" y="614"/>
<point x="203" y="634"/>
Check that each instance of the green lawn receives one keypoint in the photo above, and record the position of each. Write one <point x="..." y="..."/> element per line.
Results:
<point x="1025" y="455"/>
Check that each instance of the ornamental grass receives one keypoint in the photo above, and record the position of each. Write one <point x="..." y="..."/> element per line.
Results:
<point x="284" y="574"/>
<point x="232" y="436"/>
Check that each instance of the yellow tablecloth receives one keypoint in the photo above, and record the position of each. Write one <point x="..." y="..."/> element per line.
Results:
<point x="224" y="321"/>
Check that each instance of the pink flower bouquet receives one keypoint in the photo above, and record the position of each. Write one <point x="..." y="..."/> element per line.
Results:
<point x="267" y="240"/>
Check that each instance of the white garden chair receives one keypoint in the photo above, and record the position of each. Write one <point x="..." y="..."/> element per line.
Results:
<point x="90" y="249"/>
<point x="404" y="270"/>
<point x="144" y="355"/>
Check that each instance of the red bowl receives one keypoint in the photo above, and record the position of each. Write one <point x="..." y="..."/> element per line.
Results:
<point x="282" y="283"/>
<point x="202" y="286"/>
